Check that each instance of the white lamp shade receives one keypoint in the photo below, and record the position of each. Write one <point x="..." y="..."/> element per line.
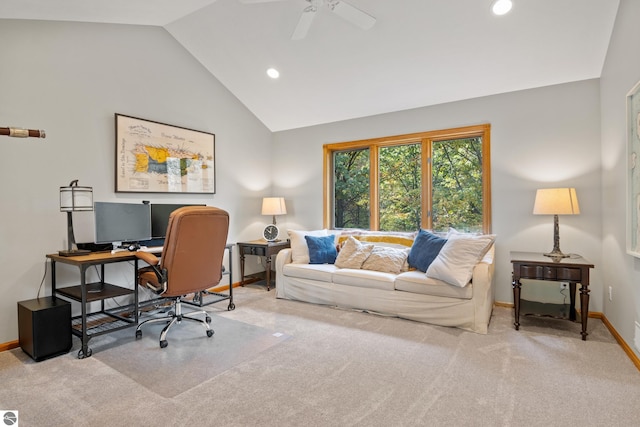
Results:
<point x="273" y="206"/>
<point x="556" y="201"/>
<point x="75" y="198"/>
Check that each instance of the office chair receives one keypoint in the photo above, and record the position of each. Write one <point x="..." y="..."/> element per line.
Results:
<point x="191" y="262"/>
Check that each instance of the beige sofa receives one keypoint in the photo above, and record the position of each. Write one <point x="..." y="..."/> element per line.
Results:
<point x="408" y="295"/>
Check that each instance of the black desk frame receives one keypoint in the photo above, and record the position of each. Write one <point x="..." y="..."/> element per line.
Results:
<point x="90" y="324"/>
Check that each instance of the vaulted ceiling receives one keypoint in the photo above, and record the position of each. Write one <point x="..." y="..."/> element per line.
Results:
<point x="418" y="53"/>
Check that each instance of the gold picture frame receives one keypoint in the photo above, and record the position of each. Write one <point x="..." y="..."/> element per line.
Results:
<point x="154" y="157"/>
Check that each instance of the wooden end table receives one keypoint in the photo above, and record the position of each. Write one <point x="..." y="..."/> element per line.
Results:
<point x="260" y="248"/>
<point x="573" y="269"/>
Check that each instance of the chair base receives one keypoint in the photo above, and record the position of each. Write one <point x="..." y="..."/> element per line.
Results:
<point x="174" y="317"/>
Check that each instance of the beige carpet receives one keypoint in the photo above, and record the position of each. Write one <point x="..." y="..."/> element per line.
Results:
<point x="162" y="370"/>
<point x="343" y="368"/>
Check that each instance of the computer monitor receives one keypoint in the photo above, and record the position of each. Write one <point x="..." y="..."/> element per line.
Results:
<point x="117" y="223"/>
<point x="160" y="218"/>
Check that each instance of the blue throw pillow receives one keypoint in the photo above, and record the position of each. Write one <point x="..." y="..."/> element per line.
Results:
<point x="322" y="250"/>
<point x="426" y="247"/>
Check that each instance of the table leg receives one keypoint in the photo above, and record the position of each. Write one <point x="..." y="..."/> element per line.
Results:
<point x="516" y="302"/>
<point x="241" y="267"/>
<point x="572" y="301"/>
<point x="84" y="351"/>
<point x="268" y="272"/>
<point x="584" y="309"/>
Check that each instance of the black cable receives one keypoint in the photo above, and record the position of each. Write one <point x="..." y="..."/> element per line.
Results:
<point x="43" y="278"/>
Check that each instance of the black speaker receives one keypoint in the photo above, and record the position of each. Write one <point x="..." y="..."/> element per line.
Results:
<point x="44" y="327"/>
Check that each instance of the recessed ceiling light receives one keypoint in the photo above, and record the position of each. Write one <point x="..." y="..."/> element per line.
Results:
<point x="273" y="73"/>
<point x="501" y="7"/>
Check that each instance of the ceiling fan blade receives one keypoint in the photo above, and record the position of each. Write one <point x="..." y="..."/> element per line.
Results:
<point x="352" y="14"/>
<point x="304" y="23"/>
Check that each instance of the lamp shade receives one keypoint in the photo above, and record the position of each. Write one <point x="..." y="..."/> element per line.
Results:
<point x="556" y="201"/>
<point x="273" y="206"/>
<point x="75" y="198"/>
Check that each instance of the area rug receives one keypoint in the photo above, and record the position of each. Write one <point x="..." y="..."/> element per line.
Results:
<point x="162" y="370"/>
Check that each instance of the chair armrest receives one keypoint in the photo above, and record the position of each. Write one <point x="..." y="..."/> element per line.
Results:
<point x="148" y="257"/>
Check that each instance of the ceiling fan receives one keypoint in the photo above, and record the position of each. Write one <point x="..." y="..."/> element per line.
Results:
<point x="341" y="8"/>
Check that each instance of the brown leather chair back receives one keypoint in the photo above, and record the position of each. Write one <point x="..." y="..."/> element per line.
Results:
<point x="194" y="248"/>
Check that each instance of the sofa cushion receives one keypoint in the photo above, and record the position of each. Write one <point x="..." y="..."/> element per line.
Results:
<point x="417" y="282"/>
<point x="299" y="248"/>
<point x="322" y="249"/>
<point x="353" y="254"/>
<point x="364" y="278"/>
<point x="425" y="249"/>
<point x="457" y="258"/>
<point x="385" y="259"/>
<point x="319" y="272"/>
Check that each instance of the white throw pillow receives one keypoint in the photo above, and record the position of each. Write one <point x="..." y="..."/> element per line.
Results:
<point x="299" y="248"/>
<point x="386" y="259"/>
<point x="457" y="258"/>
<point x="353" y="254"/>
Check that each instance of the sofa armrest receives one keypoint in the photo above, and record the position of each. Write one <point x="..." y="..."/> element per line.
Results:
<point x="283" y="258"/>
<point x="483" y="290"/>
<point x="483" y="271"/>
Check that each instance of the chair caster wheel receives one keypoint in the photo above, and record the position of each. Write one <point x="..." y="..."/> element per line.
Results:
<point x="163" y="343"/>
<point x="207" y="319"/>
<point x="83" y="354"/>
<point x="138" y="334"/>
<point x="232" y="306"/>
<point x="209" y="333"/>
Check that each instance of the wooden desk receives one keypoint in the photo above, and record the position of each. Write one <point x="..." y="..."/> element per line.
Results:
<point x="89" y="324"/>
<point x="574" y="269"/>
<point x="260" y="248"/>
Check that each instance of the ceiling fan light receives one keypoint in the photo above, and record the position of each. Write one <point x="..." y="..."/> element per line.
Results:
<point x="273" y="73"/>
<point x="501" y="7"/>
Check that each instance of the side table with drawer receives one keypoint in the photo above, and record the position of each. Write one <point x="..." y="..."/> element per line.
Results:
<point x="261" y="248"/>
<point x="573" y="269"/>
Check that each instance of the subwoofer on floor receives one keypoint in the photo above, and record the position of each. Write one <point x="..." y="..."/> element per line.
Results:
<point x="44" y="327"/>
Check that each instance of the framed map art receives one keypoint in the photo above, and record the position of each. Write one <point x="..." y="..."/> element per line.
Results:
<point x="154" y="157"/>
<point x="633" y="171"/>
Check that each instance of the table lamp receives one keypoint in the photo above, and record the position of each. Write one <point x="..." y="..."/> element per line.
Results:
<point x="272" y="206"/>
<point x="556" y="201"/>
<point x="74" y="198"/>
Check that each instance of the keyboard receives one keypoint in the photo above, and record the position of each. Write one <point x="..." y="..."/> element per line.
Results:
<point x="151" y="249"/>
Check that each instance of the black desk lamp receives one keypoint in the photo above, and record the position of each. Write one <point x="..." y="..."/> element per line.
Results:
<point x="74" y="198"/>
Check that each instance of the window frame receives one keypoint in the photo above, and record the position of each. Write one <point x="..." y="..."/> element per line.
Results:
<point x="425" y="139"/>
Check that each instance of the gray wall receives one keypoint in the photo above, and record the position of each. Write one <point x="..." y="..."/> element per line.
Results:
<point x="619" y="270"/>
<point x="539" y="138"/>
<point x="70" y="79"/>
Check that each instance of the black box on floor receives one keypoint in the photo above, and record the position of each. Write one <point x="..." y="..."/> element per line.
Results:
<point x="44" y="327"/>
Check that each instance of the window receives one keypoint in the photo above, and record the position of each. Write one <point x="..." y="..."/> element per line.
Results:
<point x="432" y="180"/>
